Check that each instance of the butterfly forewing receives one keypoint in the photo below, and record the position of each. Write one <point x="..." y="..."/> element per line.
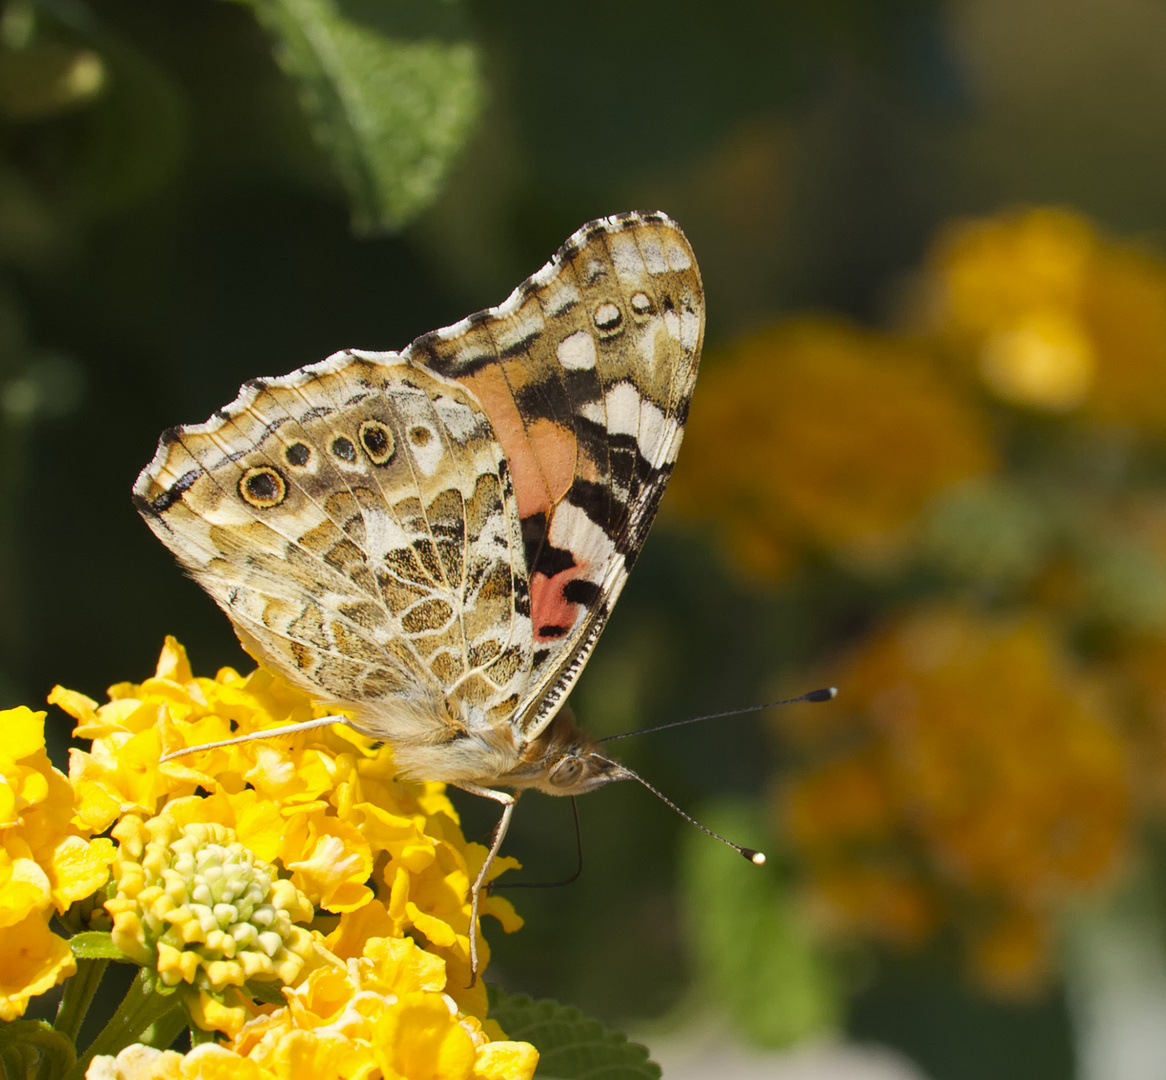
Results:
<point x="586" y="372"/>
<point x="435" y="538"/>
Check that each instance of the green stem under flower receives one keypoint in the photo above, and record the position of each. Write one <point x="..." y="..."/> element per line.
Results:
<point x="77" y="998"/>
<point x="142" y="1006"/>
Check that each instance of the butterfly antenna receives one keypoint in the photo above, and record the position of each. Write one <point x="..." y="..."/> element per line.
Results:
<point x="757" y="858"/>
<point x="827" y="693"/>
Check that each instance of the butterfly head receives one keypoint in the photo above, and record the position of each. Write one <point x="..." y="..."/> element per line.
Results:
<point x="564" y="760"/>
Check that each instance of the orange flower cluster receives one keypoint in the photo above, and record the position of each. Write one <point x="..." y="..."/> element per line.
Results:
<point x="970" y="777"/>
<point x="1054" y="316"/>
<point x="816" y="434"/>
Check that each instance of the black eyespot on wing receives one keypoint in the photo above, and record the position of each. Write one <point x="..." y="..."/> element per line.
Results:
<point x="262" y="487"/>
<point x="298" y="454"/>
<point x="378" y="441"/>
<point x="343" y="448"/>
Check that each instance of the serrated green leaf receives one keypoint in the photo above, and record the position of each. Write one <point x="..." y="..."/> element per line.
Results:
<point x="95" y="945"/>
<point x="754" y="955"/>
<point x="392" y="88"/>
<point x="571" y="1046"/>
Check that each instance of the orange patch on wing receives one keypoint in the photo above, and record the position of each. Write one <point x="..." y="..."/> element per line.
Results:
<point x="542" y="454"/>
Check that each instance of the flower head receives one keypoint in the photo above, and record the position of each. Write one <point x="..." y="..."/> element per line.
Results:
<point x="319" y="816"/>
<point x="1054" y="315"/>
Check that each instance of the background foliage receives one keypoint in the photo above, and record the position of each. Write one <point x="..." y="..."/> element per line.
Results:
<point x="925" y="460"/>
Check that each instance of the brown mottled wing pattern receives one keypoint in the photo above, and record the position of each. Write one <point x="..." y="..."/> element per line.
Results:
<point x="585" y="372"/>
<point x="356" y="521"/>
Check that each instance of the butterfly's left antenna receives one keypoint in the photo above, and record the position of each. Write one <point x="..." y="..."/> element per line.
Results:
<point x="757" y="858"/>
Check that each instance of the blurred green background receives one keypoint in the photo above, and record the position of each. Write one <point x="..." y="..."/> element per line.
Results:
<point x="926" y="462"/>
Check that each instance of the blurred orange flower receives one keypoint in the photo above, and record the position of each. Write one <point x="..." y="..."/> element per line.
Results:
<point x="1054" y="315"/>
<point x="974" y="778"/>
<point x="812" y="434"/>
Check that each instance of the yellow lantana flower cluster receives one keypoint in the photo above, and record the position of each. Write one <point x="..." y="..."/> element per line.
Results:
<point x="47" y="862"/>
<point x="383" y="1014"/>
<point x="968" y="776"/>
<point x="385" y="856"/>
<point x="300" y="862"/>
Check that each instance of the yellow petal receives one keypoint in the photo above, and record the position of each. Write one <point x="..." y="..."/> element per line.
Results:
<point x="35" y="960"/>
<point x="505" y="1061"/>
<point x="22" y="732"/>
<point x="420" y="1039"/>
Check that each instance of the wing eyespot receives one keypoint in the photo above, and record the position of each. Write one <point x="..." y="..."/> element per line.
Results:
<point x="378" y="441"/>
<point x="343" y="448"/>
<point x="298" y="455"/>
<point x="608" y="319"/>
<point x="642" y="305"/>
<point x="262" y="487"/>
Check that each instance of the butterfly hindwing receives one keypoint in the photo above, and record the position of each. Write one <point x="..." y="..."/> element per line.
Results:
<point x="586" y="372"/>
<point x="356" y="521"/>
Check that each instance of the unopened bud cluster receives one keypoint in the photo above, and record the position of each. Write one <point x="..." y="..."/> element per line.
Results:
<point x="201" y="908"/>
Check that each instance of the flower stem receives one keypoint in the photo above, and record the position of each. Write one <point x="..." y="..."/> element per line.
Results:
<point x="141" y="1007"/>
<point x="78" y="996"/>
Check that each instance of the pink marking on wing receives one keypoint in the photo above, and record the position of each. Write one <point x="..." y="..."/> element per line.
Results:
<point x="549" y="607"/>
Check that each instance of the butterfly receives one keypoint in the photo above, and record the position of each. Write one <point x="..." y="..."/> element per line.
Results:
<point x="433" y="540"/>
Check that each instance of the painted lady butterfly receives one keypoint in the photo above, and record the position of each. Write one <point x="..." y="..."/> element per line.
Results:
<point x="432" y="540"/>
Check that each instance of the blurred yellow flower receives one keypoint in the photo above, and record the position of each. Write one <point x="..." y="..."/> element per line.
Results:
<point x="969" y="775"/>
<point x="46" y="862"/>
<point x="386" y="857"/>
<point x="1054" y="315"/>
<point x="817" y="434"/>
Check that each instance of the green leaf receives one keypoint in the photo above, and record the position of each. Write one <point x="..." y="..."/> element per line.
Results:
<point x="570" y="1045"/>
<point x="755" y="957"/>
<point x="95" y="945"/>
<point x="392" y="88"/>
<point x="28" y="1043"/>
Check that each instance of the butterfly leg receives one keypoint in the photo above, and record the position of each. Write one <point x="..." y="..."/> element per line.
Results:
<point x="265" y="733"/>
<point x="508" y="802"/>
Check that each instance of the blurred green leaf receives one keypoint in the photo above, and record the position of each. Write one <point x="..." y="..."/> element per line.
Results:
<point x="755" y="957"/>
<point x="32" y="1043"/>
<point x="392" y="89"/>
<point x="570" y="1045"/>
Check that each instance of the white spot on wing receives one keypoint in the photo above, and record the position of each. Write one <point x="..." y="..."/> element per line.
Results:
<point x="678" y="258"/>
<point x="577" y="351"/>
<point x="625" y="256"/>
<point x="653" y="257"/>
<point x="689" y="329"/>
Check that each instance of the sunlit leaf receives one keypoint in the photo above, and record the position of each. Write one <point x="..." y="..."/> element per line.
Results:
<point x="570" y="1045"/>
<point x="392" y="89"/>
